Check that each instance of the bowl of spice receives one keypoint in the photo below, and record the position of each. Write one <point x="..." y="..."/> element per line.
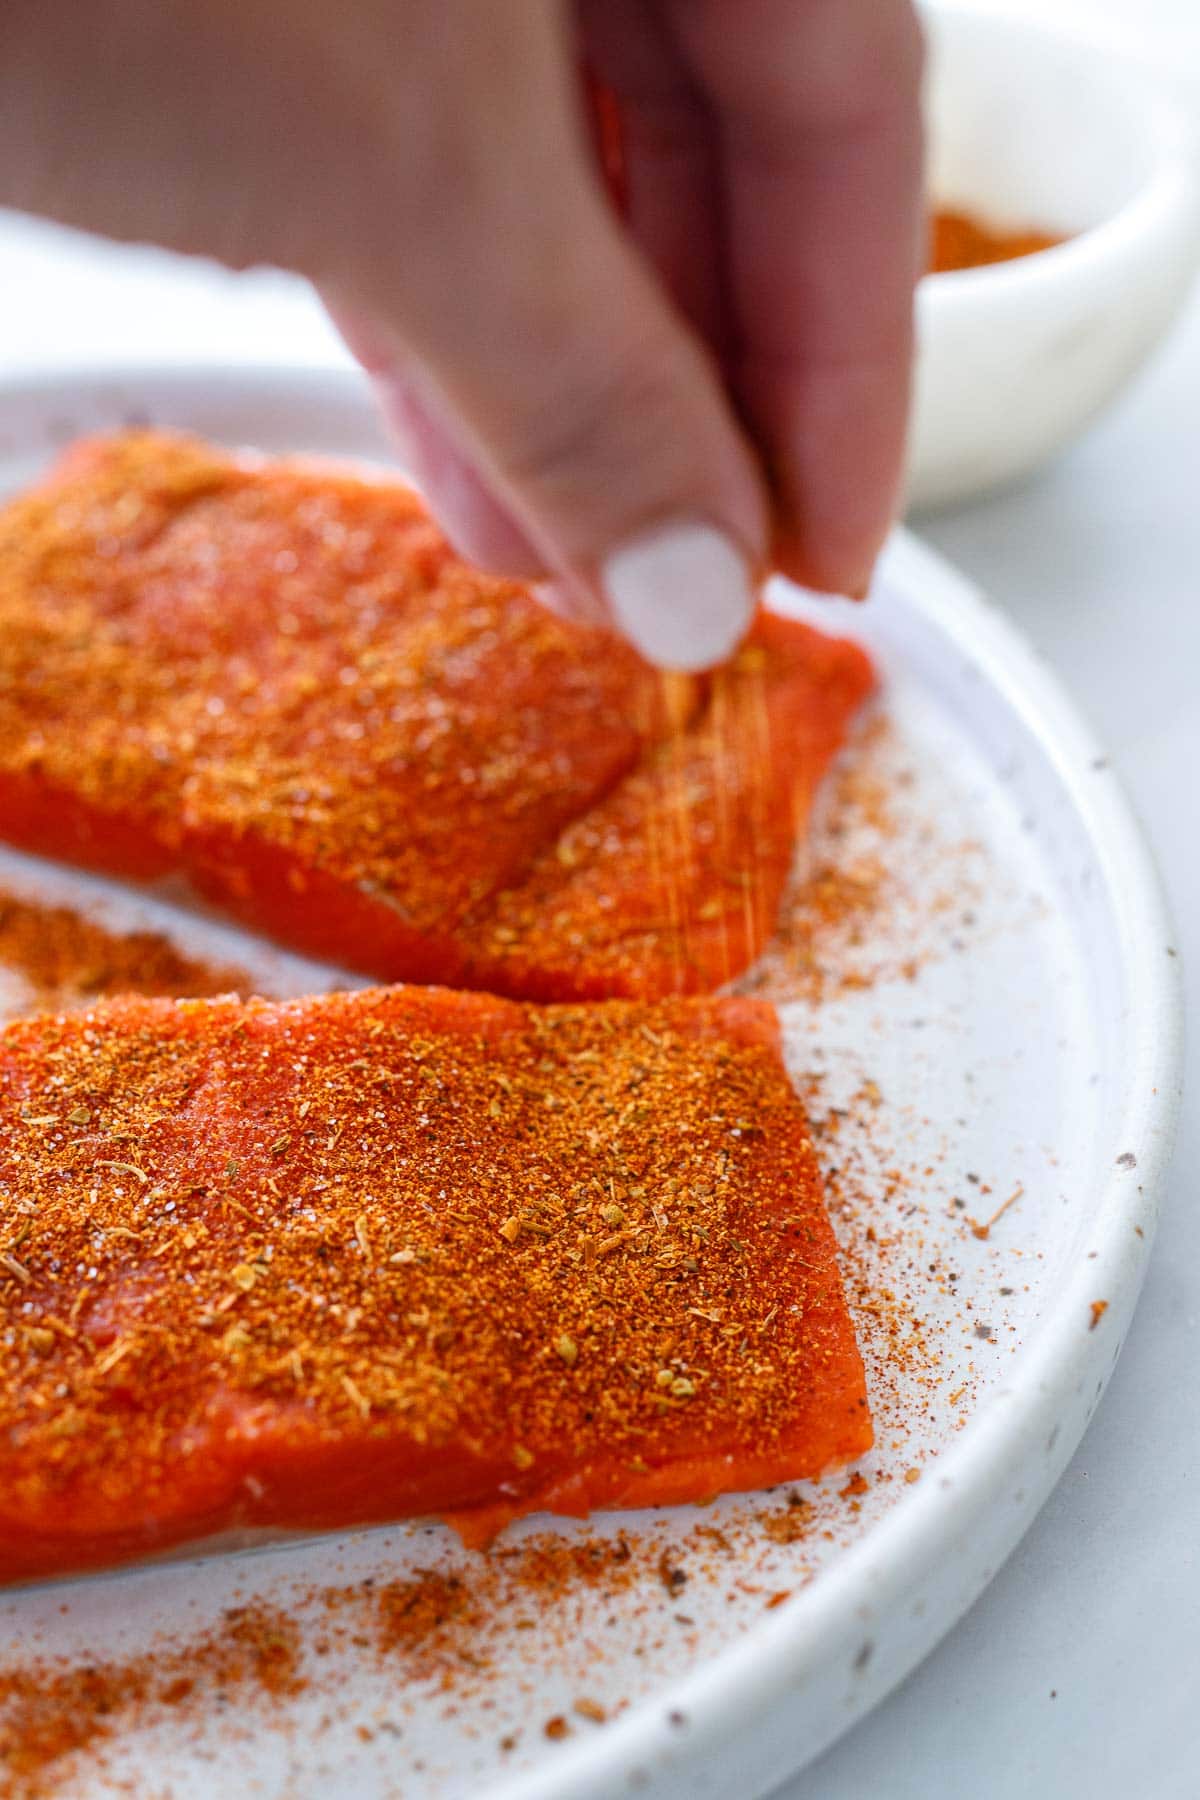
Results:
<point x="1065" y="198"/>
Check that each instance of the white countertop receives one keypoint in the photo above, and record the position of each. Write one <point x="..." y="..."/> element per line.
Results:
<point x="1077" y="1671"/>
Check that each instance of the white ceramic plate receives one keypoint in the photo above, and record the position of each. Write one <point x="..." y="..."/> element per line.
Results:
<point x="1017" y="1029"/>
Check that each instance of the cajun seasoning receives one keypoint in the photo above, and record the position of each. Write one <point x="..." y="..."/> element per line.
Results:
<point x="67" y="959"/>
<point x="52" y="1710"/>
<point x="276" y="681"/>
<point x="260" y="1318"/>
<point x="962" y="241"/>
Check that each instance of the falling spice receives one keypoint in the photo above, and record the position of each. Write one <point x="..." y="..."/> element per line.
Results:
<point x="962" y="241"/>
<point x="206" y="1300"/>
<point x="464" y="788"/>
<point x="855" y="912"/>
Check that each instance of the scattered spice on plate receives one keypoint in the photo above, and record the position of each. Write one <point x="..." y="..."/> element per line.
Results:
<point x="422" y="1610"/>
<point x="983" y="1230"/>
<point x="434" y="1631"/>
<point x="67" y="959"/>
<point x="52" y="1708"/>
<point x="792" y="1522"/>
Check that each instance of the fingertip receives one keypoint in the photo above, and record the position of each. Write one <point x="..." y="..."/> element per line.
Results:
<point x="838" y="437"/>
<point x="682" y="594"/>
<point x="842" y="578"/>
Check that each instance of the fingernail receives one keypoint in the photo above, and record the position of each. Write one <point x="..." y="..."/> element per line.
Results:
<point x="681" y="594"/>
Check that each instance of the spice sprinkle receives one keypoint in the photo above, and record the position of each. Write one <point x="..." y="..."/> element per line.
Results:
<point x="276" y="682"/>
<point x="353" y="1257"/>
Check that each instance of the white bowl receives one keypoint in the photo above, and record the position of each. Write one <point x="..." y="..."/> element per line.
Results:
<point x="1030" y="128"/>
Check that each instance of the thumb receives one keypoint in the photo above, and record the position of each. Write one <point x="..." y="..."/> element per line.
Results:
<point x="593" y="419"/>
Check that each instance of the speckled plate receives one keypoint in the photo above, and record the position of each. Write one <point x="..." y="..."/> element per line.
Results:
<point x="991" y="1049"/>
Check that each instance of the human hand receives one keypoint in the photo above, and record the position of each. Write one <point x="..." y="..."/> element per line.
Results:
<point x="648" y="411"/>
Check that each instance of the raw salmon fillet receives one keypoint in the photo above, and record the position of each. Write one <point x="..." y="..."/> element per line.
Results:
<point x="403" y="1252"/>
<point x="275" y="682"/>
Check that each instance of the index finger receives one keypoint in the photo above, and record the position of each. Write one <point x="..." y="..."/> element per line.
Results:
<point x="817" y="105"/>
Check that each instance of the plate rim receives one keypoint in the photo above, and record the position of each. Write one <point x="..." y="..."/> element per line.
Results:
<point x="751" y="1680"/>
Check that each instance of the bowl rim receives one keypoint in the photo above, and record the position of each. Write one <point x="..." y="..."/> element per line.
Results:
<point x="1165" y="204"/>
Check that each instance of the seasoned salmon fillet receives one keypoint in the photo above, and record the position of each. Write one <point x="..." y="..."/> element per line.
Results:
<point x="401" y="1252"/>
<point x="275" y="682"/>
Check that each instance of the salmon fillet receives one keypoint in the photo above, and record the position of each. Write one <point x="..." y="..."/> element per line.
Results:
<point x="403" y="1252"/>
<point x="275" y="682"/>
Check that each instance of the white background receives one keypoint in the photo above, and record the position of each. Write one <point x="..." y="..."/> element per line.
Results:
<point x="1078" y="1673"/>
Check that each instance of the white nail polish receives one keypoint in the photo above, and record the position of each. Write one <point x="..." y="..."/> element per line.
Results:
<point x="681" y="594"/>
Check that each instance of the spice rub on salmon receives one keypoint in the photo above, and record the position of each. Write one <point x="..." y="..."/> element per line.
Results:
<point x="276" y="681"/>
<point x="403" y="1252"/>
